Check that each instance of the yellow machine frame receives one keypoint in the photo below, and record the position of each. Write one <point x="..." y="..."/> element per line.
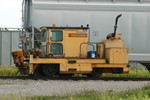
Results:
<point x="110" y="57"/>
<point x="71" y="62"/>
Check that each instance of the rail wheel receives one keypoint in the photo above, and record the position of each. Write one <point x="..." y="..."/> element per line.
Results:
<point x="50" y="70"/>
<point x="39" y="71"/>
<point x="97" y="72"/>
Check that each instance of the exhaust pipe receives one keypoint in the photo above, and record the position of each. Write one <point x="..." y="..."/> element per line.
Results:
<point x="112" y="35"/>
<point x="116" y="22"/>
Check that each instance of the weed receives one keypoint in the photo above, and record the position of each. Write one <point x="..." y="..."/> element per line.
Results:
<point x="8" y="71"/>
<point x="133" y="72"/>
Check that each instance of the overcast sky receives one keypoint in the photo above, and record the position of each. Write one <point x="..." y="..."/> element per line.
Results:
<point x="10" y="13"/>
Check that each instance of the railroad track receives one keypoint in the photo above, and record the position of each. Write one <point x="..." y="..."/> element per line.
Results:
<point x="75" y="78"/>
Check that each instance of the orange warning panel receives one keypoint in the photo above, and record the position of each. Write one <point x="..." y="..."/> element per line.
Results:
<point x="77" y="35"/>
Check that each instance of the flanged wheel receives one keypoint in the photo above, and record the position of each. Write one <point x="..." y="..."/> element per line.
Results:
<point x="50" y="70"/>
<point x="39" y="71"/>
<point x="97" y="72"/>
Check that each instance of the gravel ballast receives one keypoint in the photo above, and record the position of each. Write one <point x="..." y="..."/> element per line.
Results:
<point x="64" y="87"/>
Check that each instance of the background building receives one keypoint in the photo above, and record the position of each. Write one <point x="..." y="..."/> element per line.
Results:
<point x="9" y="40"/>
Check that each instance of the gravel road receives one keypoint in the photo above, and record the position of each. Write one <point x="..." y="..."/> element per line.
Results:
<point x="64" y="87"/>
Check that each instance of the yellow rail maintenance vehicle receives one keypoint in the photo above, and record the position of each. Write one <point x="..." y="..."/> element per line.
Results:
<point x="64" y="51"/>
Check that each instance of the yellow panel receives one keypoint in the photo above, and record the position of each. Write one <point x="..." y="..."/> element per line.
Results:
<point x="63" y="67"/>
<point x="73" y="66"/>
<point x="85" y="67"/>
<point x="72" y="44"/>
<point x="108" y="65"/>
<point x="31" y="71"/>
<point x="65" y="61"/>
<point x="117" y="55"/>
<point x="46" y="60"/>
<point x="91" y="61"/>
<point x="113" y="43"/>
<point x="75" y="72"/>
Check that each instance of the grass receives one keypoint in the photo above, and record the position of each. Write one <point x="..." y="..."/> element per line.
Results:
<point x="138" y="94"/>
<point x="2" y="83"/>
<point x="133" y="72"/>
<point x="8" y="71"/>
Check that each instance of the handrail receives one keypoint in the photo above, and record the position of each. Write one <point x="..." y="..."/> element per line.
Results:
<point x="91" y="43"/>
<point x="88" y="43"/>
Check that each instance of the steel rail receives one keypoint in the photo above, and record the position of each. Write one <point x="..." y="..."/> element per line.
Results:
<point x="74" y="78"/>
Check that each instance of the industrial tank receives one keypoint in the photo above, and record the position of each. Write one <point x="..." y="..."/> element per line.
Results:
<point x="99" y="14"/>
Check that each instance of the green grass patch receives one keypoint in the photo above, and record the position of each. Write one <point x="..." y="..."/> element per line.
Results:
<point x="133" y="72"/>
<point x="138" y="94"/>
<point x="8" y="71"/>
<point x="2" y="83"/>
